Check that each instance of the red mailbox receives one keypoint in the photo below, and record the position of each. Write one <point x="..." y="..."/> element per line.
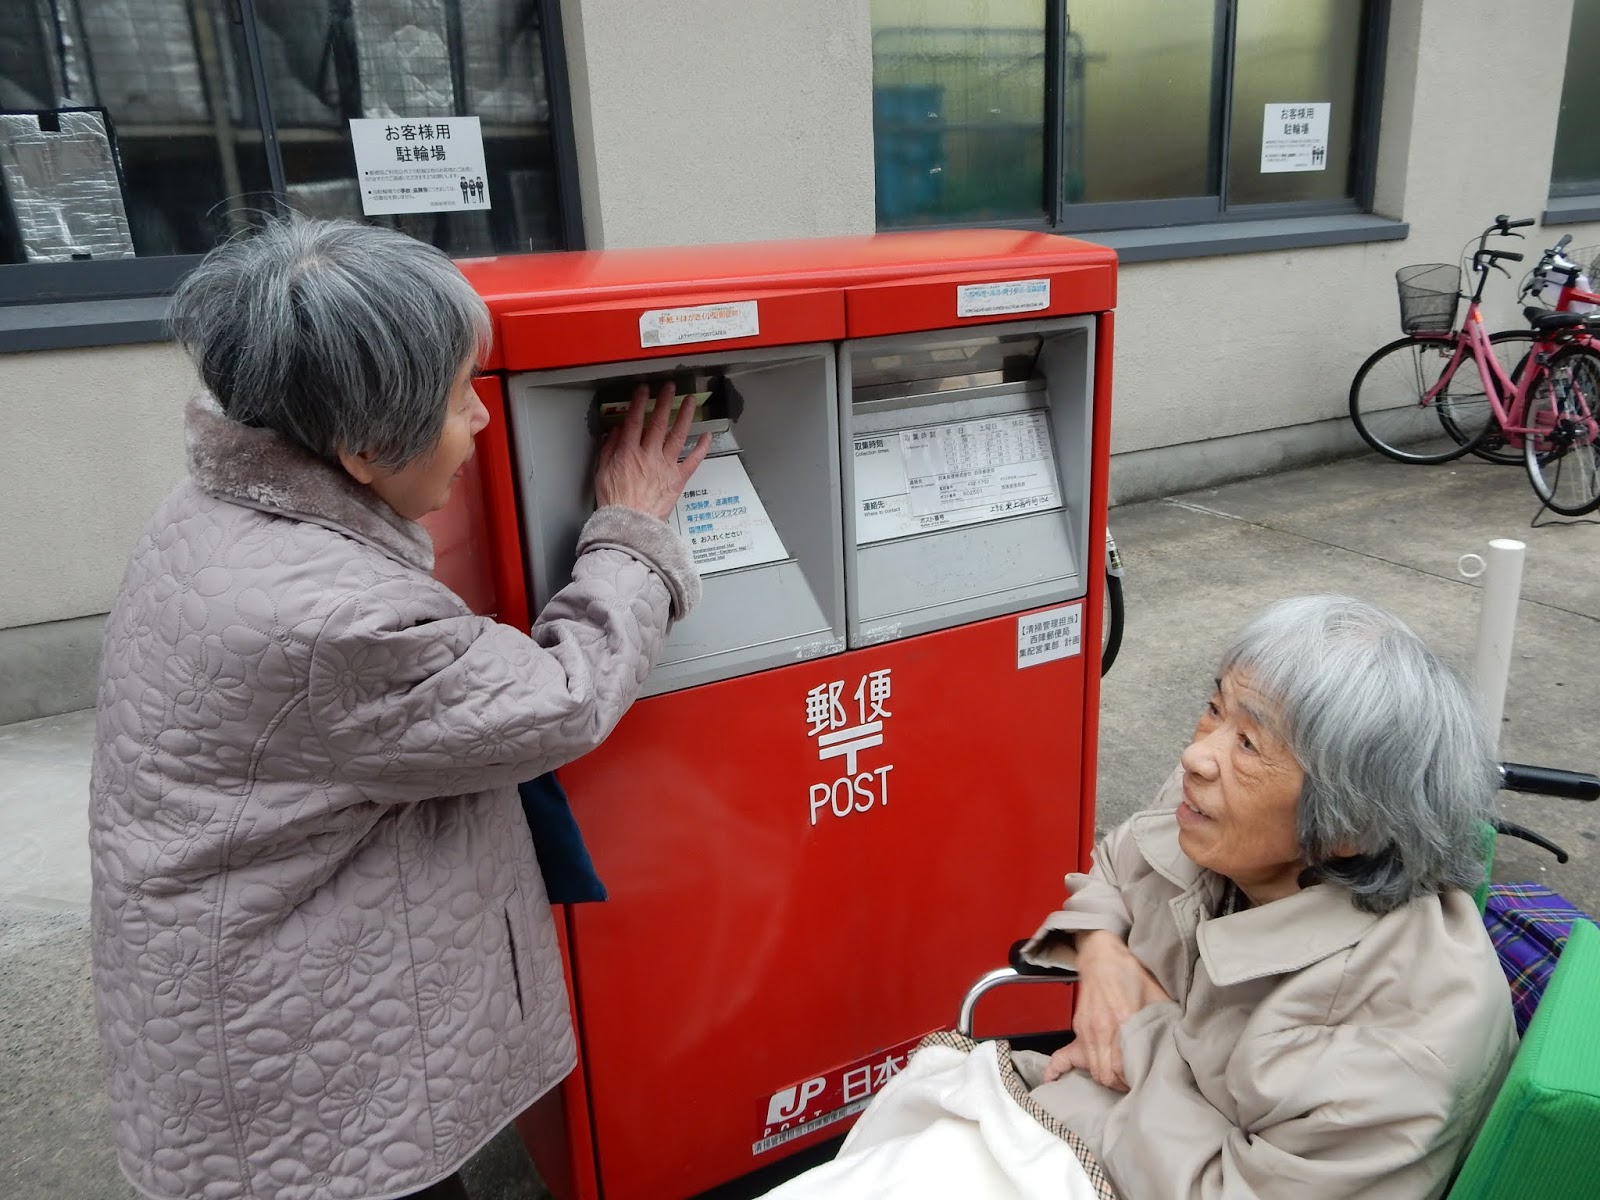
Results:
<point x="866" y="761"/>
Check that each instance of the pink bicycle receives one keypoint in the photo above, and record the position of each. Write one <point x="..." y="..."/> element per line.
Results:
<point x="1417" y="401"/>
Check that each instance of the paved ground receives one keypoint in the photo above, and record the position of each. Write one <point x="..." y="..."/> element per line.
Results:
<point x="1197" y="566"/>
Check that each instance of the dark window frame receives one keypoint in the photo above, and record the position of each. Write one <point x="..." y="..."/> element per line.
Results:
<point x="1194" y="212"/>
<point x="158" y="275"/>
<point x="1570" y="200"/>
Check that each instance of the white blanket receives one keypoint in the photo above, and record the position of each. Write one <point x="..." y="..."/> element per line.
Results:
<point x="946" y="1126"/>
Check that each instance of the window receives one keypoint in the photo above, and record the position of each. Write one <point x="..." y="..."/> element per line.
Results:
<point x="1575" y="170"/>
<point x="1105" y="114"/>
<point x="135" y="134"/>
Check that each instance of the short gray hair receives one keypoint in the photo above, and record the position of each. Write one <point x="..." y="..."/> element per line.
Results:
<point x="1398" y="766"/>
<point x="339" y="336"/>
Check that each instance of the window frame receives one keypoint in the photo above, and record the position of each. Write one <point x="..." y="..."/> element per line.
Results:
<point x="157" y="275"/>
<point x="1205" y="212"/>
<point x="1572" y="201"/>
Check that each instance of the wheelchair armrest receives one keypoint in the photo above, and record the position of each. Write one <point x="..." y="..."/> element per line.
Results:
<point x="1018" y="972"/>
<point x="1023" y="967"/>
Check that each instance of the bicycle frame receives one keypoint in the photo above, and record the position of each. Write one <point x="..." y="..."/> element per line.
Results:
<point x="1510" y="412"/>
<point x="1473" y="338"/>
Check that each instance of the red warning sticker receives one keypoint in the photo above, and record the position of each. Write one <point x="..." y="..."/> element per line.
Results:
<point x="829" y="1098"/>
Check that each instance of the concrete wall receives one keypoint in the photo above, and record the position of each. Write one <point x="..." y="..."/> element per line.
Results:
<point x="90" y="441"/>
<point x="712" y="120"/>
<point x="93" y="441"/>
<point x="721" y="120"/>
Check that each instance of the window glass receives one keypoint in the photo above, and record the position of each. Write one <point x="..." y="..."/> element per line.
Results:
<point x="958" y="109"/>
<point x="1140" y="94"/>
<point x="167" y="157"/>
<point x="170" y="155"/>
<point x="328" y="60"/>
<point x="1576" y="168"/>
<point x="1295" y="56"/>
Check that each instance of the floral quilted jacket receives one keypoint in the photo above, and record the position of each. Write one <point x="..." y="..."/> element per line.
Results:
<point x="324" y="962"/>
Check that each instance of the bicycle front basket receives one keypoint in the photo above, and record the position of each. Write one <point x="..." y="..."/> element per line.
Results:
<point x="1429" y="294"/>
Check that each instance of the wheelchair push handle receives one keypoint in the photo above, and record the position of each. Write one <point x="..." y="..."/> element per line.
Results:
<point x="1020" y="971"/>
<point x="1549" y="781"/>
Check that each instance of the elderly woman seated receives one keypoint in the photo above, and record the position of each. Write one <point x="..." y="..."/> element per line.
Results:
<point x="1286" y="989"/>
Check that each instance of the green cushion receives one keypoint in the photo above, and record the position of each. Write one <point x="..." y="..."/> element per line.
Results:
<point x="1488" y="838"/>
<point x="1541" y="1140"/>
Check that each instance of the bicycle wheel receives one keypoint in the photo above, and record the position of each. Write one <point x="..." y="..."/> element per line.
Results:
<point x="1563" y="456"/>
<point x="1511" y="348"/>
<point x="1394" y="414"/>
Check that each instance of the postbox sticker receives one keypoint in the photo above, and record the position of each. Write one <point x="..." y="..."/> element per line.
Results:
<point x="1046" y="636"/>
<point x="847" y="731"/>
<point x="1016" y="295"/>
<point x="812" y="1104"/>
<point x="702" y="323"/>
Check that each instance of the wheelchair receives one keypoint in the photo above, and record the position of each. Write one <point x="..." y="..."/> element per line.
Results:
<point x="1541" y="1138"/>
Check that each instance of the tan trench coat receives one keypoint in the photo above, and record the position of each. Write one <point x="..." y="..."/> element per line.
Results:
<point x="1311" y="1050"/>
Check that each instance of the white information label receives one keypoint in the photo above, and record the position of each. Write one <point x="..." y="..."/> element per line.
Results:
<point x="431" y="164"/>
<point x="945" y="476"/>
<point x="723" y="519"/>
<point x="1046" y="636"/>
<point x="1294" y="137"/>
<point x="703" y="323"/>
<point x="1019" y="295"/>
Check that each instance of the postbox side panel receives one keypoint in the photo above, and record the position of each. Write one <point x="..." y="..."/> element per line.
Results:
<point x="808" y="867"/>
<point x="476" y="544"/>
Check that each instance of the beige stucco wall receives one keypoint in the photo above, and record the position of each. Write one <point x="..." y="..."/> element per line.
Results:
<point x="92" y="440"/>
<point x="721" y="120"/>
<point x="702" y="120"/>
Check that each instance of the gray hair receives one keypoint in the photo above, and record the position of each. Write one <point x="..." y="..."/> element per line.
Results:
<point x="337" y="335"/>
<point x="1399" y="770"/>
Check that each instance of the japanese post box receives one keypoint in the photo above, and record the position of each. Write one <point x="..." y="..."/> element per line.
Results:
<point x="866" y="760"/>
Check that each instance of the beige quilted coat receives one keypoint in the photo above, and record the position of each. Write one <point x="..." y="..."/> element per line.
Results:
<point x="324" y="962"/>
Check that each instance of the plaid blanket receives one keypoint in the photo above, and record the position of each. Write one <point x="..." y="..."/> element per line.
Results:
<point x="1528" y="924"/>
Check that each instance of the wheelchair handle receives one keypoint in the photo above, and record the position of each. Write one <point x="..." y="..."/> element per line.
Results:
<point x="1549" y="781"/>
<point x="1020" y="971"/>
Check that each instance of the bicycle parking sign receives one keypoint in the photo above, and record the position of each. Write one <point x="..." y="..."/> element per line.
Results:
<point x="1294" y="137"/>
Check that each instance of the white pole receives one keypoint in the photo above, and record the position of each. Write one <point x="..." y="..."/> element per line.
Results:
<point x="1497" y="626"/>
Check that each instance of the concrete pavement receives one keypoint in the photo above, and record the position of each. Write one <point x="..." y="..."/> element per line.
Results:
<point x="1198" y="565"/>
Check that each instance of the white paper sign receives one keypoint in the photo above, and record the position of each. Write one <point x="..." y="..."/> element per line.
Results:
<point x="431" y="164"/>
<point x="703" y="323"/>
<point x="1294" y="137"/>
<point x="723" y="519"/>
<point x="985" y="299"/>
<point x="946" y="476"/>
<point x="1046" y="636"/>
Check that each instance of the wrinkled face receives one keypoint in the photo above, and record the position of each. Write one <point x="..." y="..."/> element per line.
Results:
<point x="1241" y="790"/>
<point x="423" y="485"/>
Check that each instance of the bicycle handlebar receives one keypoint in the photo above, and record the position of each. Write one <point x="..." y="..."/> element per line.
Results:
<point x="1561" y="245"/>
<point x="1510" y="255"/>
<point x="1504" y="223"/>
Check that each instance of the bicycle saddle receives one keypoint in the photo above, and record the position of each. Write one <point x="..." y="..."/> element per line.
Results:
<point x="1549" y="322"/>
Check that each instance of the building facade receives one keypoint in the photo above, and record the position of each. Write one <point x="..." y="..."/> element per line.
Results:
<point x="1262" y="168"/>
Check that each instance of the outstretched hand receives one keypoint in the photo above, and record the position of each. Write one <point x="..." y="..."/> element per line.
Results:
<point x="639" y="467"/>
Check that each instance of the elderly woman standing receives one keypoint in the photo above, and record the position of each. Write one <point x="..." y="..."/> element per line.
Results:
<point x="324" y="961"/>
<point x="1286" y="988"/>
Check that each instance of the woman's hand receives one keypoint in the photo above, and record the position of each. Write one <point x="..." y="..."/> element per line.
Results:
<point x="639" y="467"/>
<point x="1112" y="986"/>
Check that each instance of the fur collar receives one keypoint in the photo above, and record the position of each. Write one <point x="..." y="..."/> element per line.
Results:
<point x="261" y="469"/>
